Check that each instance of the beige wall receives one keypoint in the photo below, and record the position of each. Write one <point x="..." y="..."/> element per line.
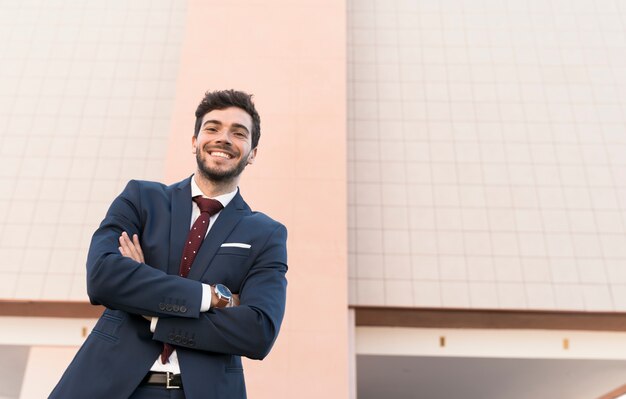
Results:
<point x="86" y="94"/>
<point x="486" y="154"/>
<point x="291" y="55"/>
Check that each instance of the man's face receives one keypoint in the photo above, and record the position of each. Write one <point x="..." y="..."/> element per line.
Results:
<point x="223" y="147"/>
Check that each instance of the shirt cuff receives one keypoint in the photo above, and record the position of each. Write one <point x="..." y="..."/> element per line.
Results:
<point x="206" y="298"/>
<point x="153" y="323"/>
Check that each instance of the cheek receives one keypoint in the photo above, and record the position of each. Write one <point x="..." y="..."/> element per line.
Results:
<point x="200" y="144"/>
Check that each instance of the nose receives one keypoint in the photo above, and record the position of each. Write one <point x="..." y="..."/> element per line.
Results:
<point x="223" y="137"/>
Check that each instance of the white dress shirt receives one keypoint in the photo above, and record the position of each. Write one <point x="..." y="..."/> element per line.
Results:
<point x="172" y="365"/>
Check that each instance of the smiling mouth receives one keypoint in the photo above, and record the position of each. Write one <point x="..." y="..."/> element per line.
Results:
<point x="220" y="154"/>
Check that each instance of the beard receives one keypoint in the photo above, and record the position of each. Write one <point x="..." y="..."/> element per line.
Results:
<point x="217" y="175"/>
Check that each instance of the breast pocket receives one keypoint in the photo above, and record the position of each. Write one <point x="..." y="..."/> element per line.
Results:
<point x="231" y="266"/>
<point x="239" y="251"/>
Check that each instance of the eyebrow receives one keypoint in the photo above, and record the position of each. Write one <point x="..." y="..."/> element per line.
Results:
<point x="216" y="122"/>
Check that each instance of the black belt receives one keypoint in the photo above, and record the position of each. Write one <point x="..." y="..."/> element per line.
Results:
<point x="163" y="379"/>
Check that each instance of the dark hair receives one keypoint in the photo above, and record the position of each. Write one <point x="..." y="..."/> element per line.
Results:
<point x="223" y="99"/>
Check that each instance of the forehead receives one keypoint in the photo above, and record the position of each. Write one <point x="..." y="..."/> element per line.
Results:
<point x="229" y="116"/>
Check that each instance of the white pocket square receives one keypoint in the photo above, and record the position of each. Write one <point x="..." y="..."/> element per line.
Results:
<point x="235" y="244"/>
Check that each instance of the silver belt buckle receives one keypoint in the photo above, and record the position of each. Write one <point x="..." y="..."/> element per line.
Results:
<point x="169" y="376"/>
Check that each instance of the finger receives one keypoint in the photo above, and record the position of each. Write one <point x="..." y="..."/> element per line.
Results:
<point x="124" y="240"/>
<point x="137" y="255"/>
<point x="124" y="245"/>
<point x="124" y="237"/>
<point x="129" y="250"/>
<point x="138" y="246"/>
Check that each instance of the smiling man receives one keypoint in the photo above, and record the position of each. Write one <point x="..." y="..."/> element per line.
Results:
<point x="190" y="277"/>
<point x="217" y="161"/>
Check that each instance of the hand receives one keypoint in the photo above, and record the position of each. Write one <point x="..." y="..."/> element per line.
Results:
<point x="235" y="301"/>
<point x="131" y="249"/>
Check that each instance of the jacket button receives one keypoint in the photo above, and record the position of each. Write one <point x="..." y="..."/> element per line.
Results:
<point x="176" y="308"/>
<point x="171" y="336"/>
<point x="192" y="342"/>
<point x="185" y="340"/>
<point x="177" y="339"/>
<point x="161" y="306"/>
<point x="168" y="307"/>
<point x="183" y="309"/>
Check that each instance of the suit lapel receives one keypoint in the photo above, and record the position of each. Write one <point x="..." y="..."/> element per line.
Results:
<point x="225" y="223"/>
<point x="179" y="225"/>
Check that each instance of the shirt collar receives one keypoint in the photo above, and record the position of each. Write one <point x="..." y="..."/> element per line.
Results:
<point x="224" y="199"/>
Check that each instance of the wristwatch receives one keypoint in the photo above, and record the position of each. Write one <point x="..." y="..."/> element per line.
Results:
<point x="223" y="294"/>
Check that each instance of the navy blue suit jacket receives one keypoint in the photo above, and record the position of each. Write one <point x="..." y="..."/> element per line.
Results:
<point x="121" y="349"/>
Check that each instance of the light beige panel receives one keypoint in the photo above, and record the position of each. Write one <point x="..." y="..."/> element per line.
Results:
<point x="86" y="93"/>
<point x="45" y="367"/>
<point x="486" y="154"/>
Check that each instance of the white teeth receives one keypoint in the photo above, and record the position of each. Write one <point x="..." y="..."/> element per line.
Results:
<point x="220" y="154"/>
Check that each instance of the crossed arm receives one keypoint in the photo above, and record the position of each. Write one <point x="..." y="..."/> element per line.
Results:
<point x="224" y="332"/>
<point x="120" y="282"/>
<point x="132" y="249"/>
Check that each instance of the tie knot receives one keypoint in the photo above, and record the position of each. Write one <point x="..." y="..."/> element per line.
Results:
<point x="208" y="205"/>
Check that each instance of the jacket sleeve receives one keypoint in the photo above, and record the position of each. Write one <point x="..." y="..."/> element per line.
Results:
<point x="121" y="283"/>
<point x="249" y="329"/>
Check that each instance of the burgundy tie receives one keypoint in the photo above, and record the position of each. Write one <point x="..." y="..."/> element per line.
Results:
<point x="208" y="207"/>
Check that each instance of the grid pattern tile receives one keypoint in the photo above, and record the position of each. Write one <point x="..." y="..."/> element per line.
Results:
<point x="86" y="90"/>
<point x="486" y="154"/>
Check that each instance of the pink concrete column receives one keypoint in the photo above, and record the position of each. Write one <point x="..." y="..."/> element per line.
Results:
<point x="292" y="56"/>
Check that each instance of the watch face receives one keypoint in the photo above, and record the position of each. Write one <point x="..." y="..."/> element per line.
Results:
<point x="223" y="290"/>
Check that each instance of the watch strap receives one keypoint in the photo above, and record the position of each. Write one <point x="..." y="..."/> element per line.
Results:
<point x="222" y="301"/>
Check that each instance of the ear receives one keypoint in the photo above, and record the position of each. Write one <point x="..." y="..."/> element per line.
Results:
<point x="251" y="156"/>
<point x="194" y="144"/>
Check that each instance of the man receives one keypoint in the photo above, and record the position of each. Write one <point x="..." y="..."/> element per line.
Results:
<point x="170" y="328"/>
